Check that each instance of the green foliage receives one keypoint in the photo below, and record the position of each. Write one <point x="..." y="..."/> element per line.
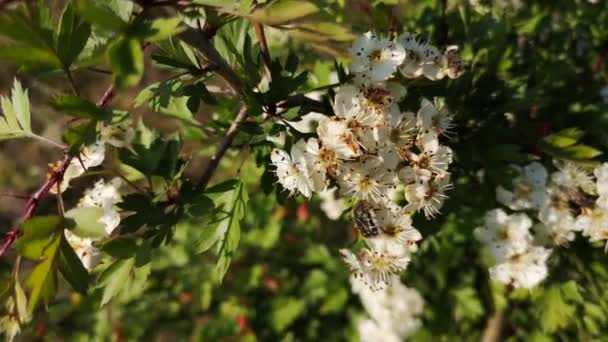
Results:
<point x="16" y="110"/>
<point x="72" y="35"/>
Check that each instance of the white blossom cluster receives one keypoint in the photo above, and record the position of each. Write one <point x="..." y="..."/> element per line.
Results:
<point x="377" y="59"/>
<point x="118" y="135"/>
<point x="568" y="201"/>
<point x="372" y="150"/>
<point x="105" y="196"/>
<point x="393" y="312"/>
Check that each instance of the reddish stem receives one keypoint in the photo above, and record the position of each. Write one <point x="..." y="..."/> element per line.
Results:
<point x="55" y="178"/>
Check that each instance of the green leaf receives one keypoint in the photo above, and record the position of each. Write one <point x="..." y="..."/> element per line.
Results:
<point x="571" y="292"/>
<point x="71" y="267"/>
<point x="564" y="138"/>
<point x="285" y="311"/>
<point x="79" y="107"/>
<point x="101" y="16"/>
<point x="161" y="158"/>
<point x="175" y="54"/>
<point x="170" y="98"/>
<point x="30" y="57"/>
<point x="564" y="145"/>
<point x="39" y="233"/>
<point x="85" y="222"/>
<point x="284" y="11"/>
<point x="114" y="278"/>
<point x="43" y="279"/>
<point x="72" y="36"/>
<point x="16" y="110"/>
<point x="158" y="29"/>
<point x="231" y="208"/>
<point x="120" y="248"/>
<point x="127" y="61"/>
<point x="553" y="312"/>
<point x="21" y="303"/>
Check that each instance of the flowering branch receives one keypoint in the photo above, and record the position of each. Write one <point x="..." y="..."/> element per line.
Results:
<point x="55" y="178"/>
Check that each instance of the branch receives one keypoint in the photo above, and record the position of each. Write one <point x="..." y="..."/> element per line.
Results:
<point x="259" y="33"/>
<point x="493" y="329"/>
<point x="55" y="178"/>
<point x="203" y="44"/>
<point x="221" y="150"/>
<point x="305" y="102"/>
<point x="4" y="3"/>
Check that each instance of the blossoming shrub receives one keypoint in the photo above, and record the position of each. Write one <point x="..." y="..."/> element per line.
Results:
<point x="303" y="170"/>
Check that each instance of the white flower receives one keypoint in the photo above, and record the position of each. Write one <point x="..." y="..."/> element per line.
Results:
<point x="337" y="136"/>
<point x="320" y="161"/>
<point x="89" y="255"/>
<point x="90" y="156"/>
<point x="505" y="235"/>
<point x="332" y="205"/>
<point x="119" y="134"/>
<point x="529" y="188"/>
<point x="398" y="236"/>
<point x="292" y="171"/>
<point x="106" y="196"/>
<point x="370" y="331"/>
<point x="434" y="117"/>
<point x="412" y="66"/>
<point x="427" y="163"/>
<point x="427" y="196"/>
<point x="594" y="224"/>
<point x="571" y="176"/>
<point x="393" y="310"/>
<point x="376" y="59"/>
<point x="398" y="131"/>
<point x="374" y="268"/>
<point x="348" y="107"/>
<point x="524" y="270"/>
<point x="601" y="175"/>
<point x="558" y="225"/>
<point x="379" y="99"/>
<point x="432" y="66"/>
<point x="366" y="180"/>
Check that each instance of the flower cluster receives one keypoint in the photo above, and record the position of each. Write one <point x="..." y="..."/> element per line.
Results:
<point x="119" y="134"/>
<point x="372" y="151"/>
<point x="104" y="196"/>
<point x="569" y="200"/>
<point x="393" y="312"/>
<point x="377" y="59"/>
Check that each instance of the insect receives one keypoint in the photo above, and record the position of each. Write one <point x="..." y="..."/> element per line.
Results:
<point x="365" y="219"/>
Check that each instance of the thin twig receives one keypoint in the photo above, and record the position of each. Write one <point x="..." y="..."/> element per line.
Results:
<point x="4" y="3"/>
<point x="495" y="323"/>
<point x="221" y="150"/>
<point x="71" y="81"/>
<point x="305" y="102"/>
<point x="259" y="33"/>
<point x="99" y="71"/>
<point x="14" y="195"/>
<point x="493" y="328"/>
<point x="48" y="141"/>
